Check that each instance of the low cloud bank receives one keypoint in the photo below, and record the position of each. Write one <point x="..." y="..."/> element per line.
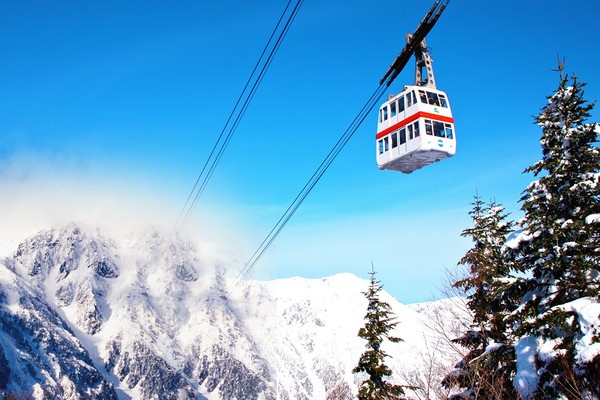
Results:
<point x="40" y="192"/>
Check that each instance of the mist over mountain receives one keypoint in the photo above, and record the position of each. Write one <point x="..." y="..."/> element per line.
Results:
<point x="151" y="315"/>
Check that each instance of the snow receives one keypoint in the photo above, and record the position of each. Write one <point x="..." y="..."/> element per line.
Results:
<point x="301" y="332"/>
<point x="526" y="378"/>
<point x="592" y="219"/>
<point x="520" y="236"/>
<point x="7" y="284"/>
<point x="532" y="348"/>
<point x="38" y="392"/>
<point x="493" y="347"/>
<point x="588" y="312"/>
<point x="547" y="349"/>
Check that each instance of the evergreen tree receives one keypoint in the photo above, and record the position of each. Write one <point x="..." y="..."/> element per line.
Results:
<point x="379" y="323"/>
<point x="487" y="369"/>
<point x="559" y="251"/>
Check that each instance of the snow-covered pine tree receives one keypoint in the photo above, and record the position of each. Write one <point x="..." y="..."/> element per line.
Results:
<point x="379" y="323"/>
<point x="487" y="369"/>
<point x="558" y="254"/>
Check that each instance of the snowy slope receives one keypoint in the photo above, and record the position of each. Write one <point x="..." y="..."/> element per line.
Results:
<point x="151" y="316"/>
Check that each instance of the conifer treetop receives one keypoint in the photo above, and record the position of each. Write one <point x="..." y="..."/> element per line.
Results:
<point x="379" y="322"/>
<point x="558" y="254"/>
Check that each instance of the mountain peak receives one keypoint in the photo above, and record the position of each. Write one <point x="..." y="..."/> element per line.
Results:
<point x="149" y="315"/>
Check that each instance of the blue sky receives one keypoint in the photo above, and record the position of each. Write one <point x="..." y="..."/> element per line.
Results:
<point x="112" y="107"/>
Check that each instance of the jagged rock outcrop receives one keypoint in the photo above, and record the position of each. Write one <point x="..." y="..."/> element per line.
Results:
<point x="149" y="316"/>
<point x="139" y="367"/>
<point x="39" y="353"/>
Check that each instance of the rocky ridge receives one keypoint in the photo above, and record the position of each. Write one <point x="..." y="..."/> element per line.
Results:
<point x="85" y="316"/>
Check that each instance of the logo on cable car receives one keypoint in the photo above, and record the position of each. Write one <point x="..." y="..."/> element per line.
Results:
<point x="441" y="143"/>
<point x="436" y="110"/>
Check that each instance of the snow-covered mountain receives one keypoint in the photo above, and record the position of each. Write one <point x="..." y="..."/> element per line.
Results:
<point x="152" y="316"/>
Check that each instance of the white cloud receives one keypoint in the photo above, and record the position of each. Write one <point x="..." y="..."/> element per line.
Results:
<point x="38" y="192"/>
<point x="410" y="249"/>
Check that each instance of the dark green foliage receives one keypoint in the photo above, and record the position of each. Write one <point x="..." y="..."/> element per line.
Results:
<point x="379" y="323"/>
<point x="558" y="255"/>
<point x="564" y="247"/>
<point x="488" y="266"/>
<point x="529" y="292"/>
<point x="488" y="366"/>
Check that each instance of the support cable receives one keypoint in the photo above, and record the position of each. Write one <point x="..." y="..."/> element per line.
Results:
<point x="237" y="111"/>
<point x="314" y="179"/>
<point x="394" y="70"/>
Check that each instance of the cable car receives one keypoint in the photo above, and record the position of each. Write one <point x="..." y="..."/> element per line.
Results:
<point x="415" y="128"/>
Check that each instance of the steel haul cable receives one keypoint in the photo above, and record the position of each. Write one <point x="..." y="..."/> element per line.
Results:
<point x="424" y="27"/>
<point x="314" y="179"/>
<point x="244" y="98"/>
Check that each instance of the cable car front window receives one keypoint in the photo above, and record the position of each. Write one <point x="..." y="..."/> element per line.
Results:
<point x="401" y="104"/>
<point x="439" y="129"/>
<point x="408" y="100"/>
<point x="394" y="140"/>
<point x="433" y="99"/>
<point x="380" y="146"/>
<point x="449" y="133"/>
<point x="402" y="136"/>
<point x="428" y="127"/>
<point x="417" y="129"/>
<point x="443" y="101"/>
<point x="393" y="109"/>
<point x="385" y="113"/>
<point x="386" y="143"/>
<point x="423" y="96"/>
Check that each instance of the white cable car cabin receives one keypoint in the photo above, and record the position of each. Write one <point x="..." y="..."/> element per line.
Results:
<point x="415" y="128"/>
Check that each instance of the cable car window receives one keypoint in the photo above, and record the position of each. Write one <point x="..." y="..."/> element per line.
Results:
<point x="393" y="109"/>
<point x="417" y="129"/>
<point x="402" y="136"/>
<point x="433" y="99"/>
<point x="386" y="143"/>
<point x="449" y="133"/>
<point x="443" y="101"/>
<point x="408" y="100"/>
<point x="394" y="140"/>
<point x="439" y="129"/>
<point x="401" y="104"/>
<point x="428" y="127"/>
<point x="380" y="146"/>
<point x="381" y="115"/>
<point x="423" y="96"/>
<point x="385" y="113"/>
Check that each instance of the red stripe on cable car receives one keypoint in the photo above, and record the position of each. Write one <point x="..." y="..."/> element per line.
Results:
<point x="412" y="118"/>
